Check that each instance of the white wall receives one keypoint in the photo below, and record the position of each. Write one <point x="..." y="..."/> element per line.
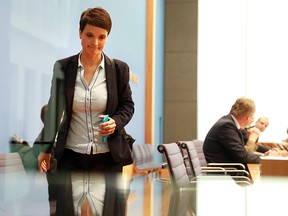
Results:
<point x="241" y="52"/>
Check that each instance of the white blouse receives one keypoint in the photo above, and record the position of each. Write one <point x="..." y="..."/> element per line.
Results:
<point x="89" y="102"/>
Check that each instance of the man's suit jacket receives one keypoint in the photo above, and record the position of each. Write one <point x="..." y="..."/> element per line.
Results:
<point x="120" y="106"/>
<point x="224" y="143"/>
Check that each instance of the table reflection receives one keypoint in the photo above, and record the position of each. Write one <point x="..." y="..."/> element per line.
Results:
<point x="27" y="194"/>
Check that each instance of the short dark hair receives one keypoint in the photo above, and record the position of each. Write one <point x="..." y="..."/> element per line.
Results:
<point x="97" y="17"/>
<point x="43" y="112"/>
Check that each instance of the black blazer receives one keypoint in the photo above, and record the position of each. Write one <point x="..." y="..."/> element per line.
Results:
<point x="224" y="143"/>
<point x="120" y="106"/>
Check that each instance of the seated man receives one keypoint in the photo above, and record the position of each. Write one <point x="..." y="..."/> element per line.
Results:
<point x="251" y="135"/>
<point x="224" y="142"/>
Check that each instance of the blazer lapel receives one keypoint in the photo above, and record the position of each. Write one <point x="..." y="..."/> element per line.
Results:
<point x="70" y="80"/>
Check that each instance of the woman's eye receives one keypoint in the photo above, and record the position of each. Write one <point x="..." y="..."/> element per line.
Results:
<point x="102" y="37"/>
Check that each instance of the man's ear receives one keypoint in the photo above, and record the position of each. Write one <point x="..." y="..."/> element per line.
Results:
<point x="251" y="115"/>
<point x="80" y="34"/>
<point x="247" y="117"/>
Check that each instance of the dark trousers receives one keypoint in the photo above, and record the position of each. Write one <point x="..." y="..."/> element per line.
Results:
<point x="60" y="185"/>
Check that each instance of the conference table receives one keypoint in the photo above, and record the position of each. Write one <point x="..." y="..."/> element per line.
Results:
<point x="220" y="196"/>
<point x="255" y="171"/>
<point x="151" y="195"/>
<point x="270" y="166"/>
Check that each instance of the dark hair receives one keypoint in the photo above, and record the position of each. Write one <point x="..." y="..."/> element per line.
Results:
<point x="43" y="112"/>
<point x="97" y="17"/>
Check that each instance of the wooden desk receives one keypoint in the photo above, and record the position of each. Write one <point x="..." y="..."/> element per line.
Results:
<point x="274" y="166"/>
<point x="255" y="171"/>
<point x="271" y="145"/>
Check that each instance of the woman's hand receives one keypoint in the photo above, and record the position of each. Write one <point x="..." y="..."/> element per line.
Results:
<point x="106" y="128"/>
<point x="44" y="162"/>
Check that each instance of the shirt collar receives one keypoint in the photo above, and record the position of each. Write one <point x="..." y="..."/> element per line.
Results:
<point x="79" y="62"/>
<point x="101" y="63"/>
<point x="236" y="122"/>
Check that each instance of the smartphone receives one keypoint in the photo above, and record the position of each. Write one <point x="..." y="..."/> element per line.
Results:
<point x="105" y="119"/>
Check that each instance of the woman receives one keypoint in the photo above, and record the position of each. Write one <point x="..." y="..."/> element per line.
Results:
<point x="86" y="87"/>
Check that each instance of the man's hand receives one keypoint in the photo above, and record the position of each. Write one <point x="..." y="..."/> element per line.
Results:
<point x="253" y="134"/>
<point x="273" y="152"/>
<point x="44" y="162"/>
<point x="254" y="130"/>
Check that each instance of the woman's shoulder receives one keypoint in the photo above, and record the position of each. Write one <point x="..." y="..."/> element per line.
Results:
<point x="66" y="60"/>
<point x="118" y="62"/>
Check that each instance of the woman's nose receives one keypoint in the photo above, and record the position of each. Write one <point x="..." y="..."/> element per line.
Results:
<point x="95" y="41"/>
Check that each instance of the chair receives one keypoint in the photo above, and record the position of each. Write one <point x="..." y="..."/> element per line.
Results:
<point x="183" y="197"/>
<point x="241" y="176"/>
<point x="181" y="183"/>
<point x="193" y="166"/>
<point x="199" y="149"/>
<point x="143" y="157"/>
<point x="175" y="164"/>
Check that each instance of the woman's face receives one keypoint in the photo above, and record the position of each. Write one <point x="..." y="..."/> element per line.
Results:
<point x="93" y="39"/>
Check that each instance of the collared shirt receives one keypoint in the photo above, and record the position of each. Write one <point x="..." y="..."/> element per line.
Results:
<point x="89" y="102"/>
<point x="236" y="122"/>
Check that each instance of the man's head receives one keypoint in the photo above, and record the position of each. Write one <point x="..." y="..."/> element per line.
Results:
<point x="262" y="123"/>
<point x="243" y="110"/>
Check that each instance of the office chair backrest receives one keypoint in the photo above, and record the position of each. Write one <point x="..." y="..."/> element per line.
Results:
<point x="199" y="149"/>
<point x="175" y="162"/>
<point x="192" y="154"/>
<point x="241" y="176"/>
<point x="142" y="153"/>
<point x="187" y="163"/>
<point x="143" y="157"/>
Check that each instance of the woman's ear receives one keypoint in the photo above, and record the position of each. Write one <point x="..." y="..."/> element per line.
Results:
<point x="80" y="34"/>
